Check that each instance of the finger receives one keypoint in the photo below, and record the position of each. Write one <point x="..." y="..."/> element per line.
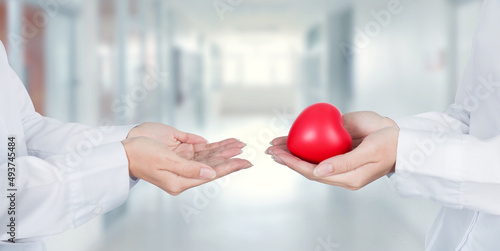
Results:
<point x="271" y="149"/>
<point x="223" y="169"/>
<point x="223" y="154"/>
<point x="343" y="163"/>
<point x="356" y="124"/>
<point x="224" y="148"/>
<point x="229" y="153"/>
<point x="217" y="157"/>
<point x="279" y="141"/>
<point x="212" y="161"/>
<point x="206" y="147"/>
<point x="278" y="160"/>
<point x="303" y="167"/>
<point x="187" y="168"/>
<point x="190" y="138"/>
<point x="231" y="166"/>
<point x="356" y="178"/>
<point x="189" y="155"/>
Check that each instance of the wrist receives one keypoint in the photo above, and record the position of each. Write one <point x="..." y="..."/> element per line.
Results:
<point x="127" y="145"/>
<point x="391" y="123"/>
<point x="132" y="133"/>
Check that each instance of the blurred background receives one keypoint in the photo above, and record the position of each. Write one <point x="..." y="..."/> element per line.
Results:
<point x="244" y="69"/>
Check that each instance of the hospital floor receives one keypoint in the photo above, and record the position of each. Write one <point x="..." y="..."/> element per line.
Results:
<point x="267" y="207"/>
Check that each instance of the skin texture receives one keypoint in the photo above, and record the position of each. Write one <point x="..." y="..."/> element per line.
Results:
<point x="374" y="155"/>
<point x="176" y="161"/>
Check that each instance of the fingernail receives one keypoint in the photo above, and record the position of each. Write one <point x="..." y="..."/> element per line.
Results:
<point x="249" y="165"/>
<point x="207" y="173"/>
<point x="323" y="170"/>
<point x="267" y="151"/>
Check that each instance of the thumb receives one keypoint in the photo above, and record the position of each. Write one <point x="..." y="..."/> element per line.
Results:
<point x="346" y="162"/>
<point x="188" y="168"/>
<point x="190" y="138"/>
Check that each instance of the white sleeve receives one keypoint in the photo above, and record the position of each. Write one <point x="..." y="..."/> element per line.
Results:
<point x="455" y="170"/>
<point x="46" y="136"/>
<point x="70" y="174"/>
<point x="52" y="198"/>
<point x="437" y="158"/>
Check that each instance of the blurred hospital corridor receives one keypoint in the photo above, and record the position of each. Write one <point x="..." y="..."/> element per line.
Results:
<point x="242" y="69"/>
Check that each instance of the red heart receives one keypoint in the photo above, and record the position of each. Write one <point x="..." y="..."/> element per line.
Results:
<point x="318" y="133"/>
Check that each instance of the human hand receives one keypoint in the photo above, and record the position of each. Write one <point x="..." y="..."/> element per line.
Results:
<point x="373" y="158"/>
<point x="175" y="140"/>
<point x="181" y="143"/>
<point x="182" y="165"/>
<point x="361" y="124"/>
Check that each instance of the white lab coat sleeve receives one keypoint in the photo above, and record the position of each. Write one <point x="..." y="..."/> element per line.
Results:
<point x="66" y="179"/>
<point x="455" y="119"/>
<point x="437" y="159"/>
<point x="46" y="136"/>
<point x="53" y="196"/>
<point x="456" y="170"/>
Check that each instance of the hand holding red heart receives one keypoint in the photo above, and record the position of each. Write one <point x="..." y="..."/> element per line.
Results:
<point x="318" y="134"/>
<point x="375" y="141"/>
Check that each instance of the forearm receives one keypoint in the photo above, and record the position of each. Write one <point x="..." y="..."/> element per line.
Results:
<point x="454" y="119"/>
<point x="455" y="170"/>
<point x="46" y="136"/>
<point x="53" y="197"/>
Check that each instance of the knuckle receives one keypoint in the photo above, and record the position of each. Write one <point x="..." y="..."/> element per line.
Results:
<point x="175" y="189"/>
<point x="173" y="193"/>
<point x="354" y="188"/>
<point x="356" y="184"/>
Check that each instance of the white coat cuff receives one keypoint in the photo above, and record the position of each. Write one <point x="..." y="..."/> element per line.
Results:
<point x="102" y="182"/>
<point x="411" y="123"/>
<point x="115" y="133"/>
<point x="427" y="166"/>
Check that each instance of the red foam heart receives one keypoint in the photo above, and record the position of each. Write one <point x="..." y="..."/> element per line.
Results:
<point x="318" y="133"/>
